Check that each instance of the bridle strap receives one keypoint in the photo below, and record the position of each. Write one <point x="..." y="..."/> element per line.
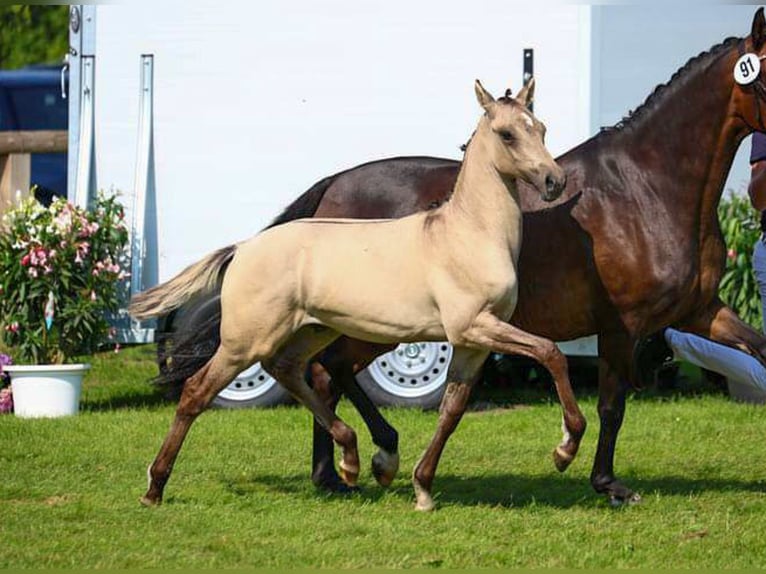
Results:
<point x="759" y="90"/>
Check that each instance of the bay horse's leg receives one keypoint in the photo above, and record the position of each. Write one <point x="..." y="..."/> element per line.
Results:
<point x="343" y="359"/>
<point x="721" y="324"/>
<point x="615" y="351"/>
<point x="198" y="392"/>
<point x="461" y="376"/>
<point x="490" y="332"/>
<point x="288" y="366"/>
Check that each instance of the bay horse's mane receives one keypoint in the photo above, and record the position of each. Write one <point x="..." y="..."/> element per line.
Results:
<point x="662" y="89"/>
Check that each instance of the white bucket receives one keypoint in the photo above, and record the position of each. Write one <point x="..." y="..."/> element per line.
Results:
<point x="46" y="390"/>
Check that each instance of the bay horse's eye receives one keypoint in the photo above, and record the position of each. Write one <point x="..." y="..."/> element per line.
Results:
<point x="506" y="136"/>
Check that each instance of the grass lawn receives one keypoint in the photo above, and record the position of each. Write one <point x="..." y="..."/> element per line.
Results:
<point x="240" y="494"/>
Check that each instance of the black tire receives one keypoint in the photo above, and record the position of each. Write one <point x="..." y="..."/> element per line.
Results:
<point x="412" y="375"/>
<point x="253" y="388"/>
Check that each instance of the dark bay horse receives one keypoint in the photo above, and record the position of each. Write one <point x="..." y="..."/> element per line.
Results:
<point x="632" y="246"/>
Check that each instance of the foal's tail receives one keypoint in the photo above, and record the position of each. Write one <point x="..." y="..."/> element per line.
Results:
<point x="200" y="277"/>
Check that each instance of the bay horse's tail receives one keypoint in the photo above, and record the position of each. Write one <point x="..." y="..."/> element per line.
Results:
<point x="198" y="278"/>
<point x="306" y="205"/>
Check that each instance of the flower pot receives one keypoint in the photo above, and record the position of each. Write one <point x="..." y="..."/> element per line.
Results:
<point x="46" y="390"/>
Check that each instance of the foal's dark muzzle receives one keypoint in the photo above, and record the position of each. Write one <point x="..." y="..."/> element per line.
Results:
<point x="554" y="186"/>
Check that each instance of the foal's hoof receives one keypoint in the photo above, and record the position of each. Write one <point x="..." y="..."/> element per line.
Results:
<point x="562" y="459"/>
<point x="423" y="500"/>
<point x="348" y="473"/>
<point x="149" y="502"/>
<point x="384" y="467"/>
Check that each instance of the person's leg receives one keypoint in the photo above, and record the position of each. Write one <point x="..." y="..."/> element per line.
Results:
<point x="759" y="270"/>
<point x="733" y="364"/>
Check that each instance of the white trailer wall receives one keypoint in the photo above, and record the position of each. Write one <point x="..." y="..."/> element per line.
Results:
<point x="255" y="101"/>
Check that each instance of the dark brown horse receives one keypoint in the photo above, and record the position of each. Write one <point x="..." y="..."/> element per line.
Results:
<point x="633" y="245"/>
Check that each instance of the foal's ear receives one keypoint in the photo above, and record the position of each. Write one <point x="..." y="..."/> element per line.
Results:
<point x="758" y="31"/>
<point x="484" y="97"/>
<point x="527" y="94"/>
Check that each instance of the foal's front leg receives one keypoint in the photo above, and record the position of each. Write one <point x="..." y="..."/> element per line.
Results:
<point x="461" y="376"/>
<point x="491" y="333"/>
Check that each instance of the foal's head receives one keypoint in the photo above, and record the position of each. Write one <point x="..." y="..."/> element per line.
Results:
<point x="515" y="141"/>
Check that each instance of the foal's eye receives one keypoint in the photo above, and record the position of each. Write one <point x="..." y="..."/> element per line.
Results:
<point x="506" y="136"/>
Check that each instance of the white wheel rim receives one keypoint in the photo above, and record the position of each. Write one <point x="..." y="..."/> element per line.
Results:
<point x="250" y="384"/>
<point x="412" y="370"/>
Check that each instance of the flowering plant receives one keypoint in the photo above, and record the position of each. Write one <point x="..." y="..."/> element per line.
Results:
<point x="741" y="228"/>
<point x="6" y="399"/>
<point x="60" y="274"/>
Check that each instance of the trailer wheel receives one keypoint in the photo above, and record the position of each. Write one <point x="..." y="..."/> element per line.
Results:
<point x="412" y="375"/>
<point x="253" y="387"/>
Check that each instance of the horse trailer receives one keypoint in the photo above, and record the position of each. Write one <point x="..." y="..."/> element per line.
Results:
<point x="210" y="118"/>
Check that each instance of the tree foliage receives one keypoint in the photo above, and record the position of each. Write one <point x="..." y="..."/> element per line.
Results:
<point x="33" y="35"/>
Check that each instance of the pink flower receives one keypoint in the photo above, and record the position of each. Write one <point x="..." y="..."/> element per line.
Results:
<point x="25" y="260"/>
<point x="731" y="254"/>
<point x="13" y="327"/>
<point x="32" y="272"/>
<point x="6" y="401"/>
<point x="116" y="347"/>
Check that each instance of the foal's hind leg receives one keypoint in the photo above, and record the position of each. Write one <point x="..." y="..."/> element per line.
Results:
<point x="288" y="366"/>
<point x="199" y="390"/>
<point x="490" y="332"/>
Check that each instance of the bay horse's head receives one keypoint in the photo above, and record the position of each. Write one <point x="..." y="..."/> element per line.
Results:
<point x="749" y="98"/>
<point x="515" y="141"/>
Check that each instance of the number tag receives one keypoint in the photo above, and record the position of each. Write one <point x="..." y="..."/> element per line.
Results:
<point x="747" y="69"/>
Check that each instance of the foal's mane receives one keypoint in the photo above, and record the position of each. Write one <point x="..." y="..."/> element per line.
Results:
<point x="661" y="90"/>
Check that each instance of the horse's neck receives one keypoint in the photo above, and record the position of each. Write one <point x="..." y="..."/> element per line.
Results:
<point x="695" y="143"/>
<point x="484" y="201"/>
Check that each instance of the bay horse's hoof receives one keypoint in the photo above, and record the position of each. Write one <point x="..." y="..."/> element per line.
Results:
<point x="618" y="502"/>
<point x="333" y="484"/>
<point x="384" y="467"/>
<point x="348" y="473"/>
<point x="562" y="459"/>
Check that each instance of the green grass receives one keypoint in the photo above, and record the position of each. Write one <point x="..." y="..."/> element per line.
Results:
<point x="240" y="494"/>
